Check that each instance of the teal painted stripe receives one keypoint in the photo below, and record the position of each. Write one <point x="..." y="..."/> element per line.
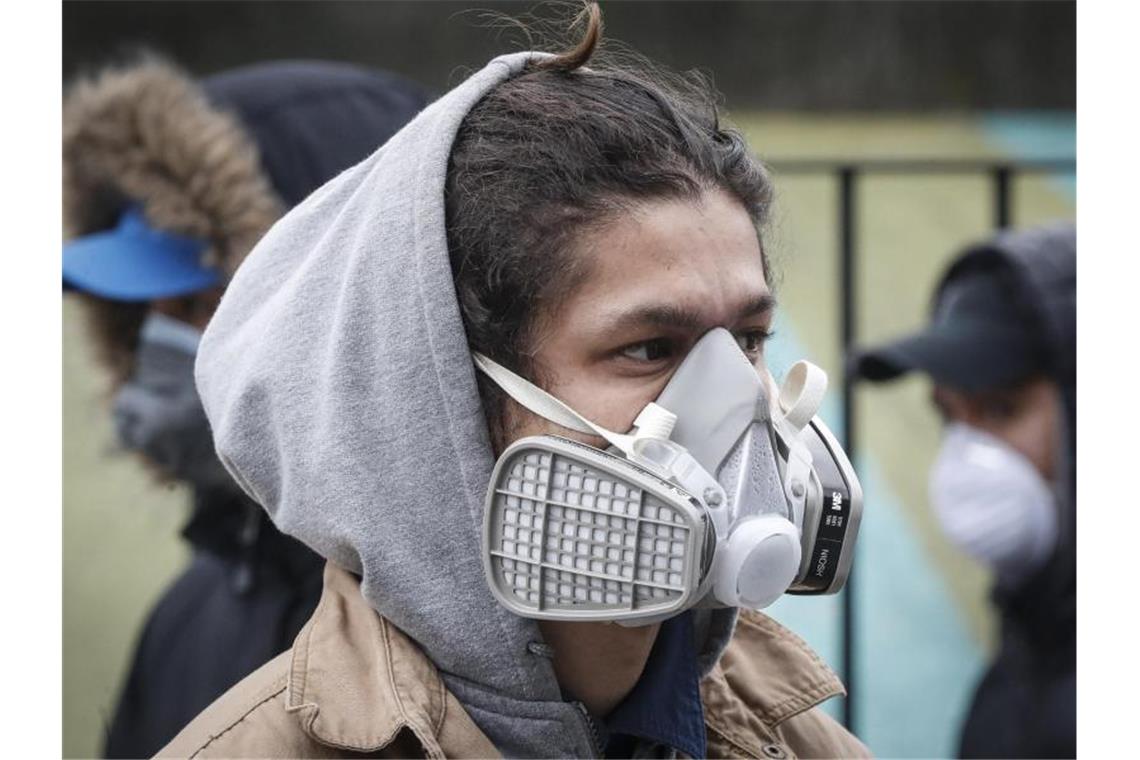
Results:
<point x="1035" y="135"/>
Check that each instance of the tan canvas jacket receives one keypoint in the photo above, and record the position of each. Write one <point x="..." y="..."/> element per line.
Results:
<point x="353" y="685"/>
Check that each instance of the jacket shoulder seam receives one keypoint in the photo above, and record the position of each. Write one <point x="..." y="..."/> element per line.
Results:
<point x="278" y="688"/>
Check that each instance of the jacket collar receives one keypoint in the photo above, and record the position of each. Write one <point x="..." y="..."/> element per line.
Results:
<point x="356" y="681"/>
<point x="766" y="676"/>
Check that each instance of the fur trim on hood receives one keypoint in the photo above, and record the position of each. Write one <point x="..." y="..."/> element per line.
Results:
<point x="145" y="133"/>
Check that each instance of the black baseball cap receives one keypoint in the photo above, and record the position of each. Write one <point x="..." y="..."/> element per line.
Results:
<point x="978" y="338"/>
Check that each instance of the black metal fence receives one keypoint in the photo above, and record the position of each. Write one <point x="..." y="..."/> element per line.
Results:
<point x="847" y="175"/>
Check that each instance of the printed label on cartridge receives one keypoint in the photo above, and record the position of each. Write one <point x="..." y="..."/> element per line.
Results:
<point x="828" y="541"/>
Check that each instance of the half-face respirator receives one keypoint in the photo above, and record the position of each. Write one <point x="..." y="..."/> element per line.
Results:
<point x="720" y="496"/>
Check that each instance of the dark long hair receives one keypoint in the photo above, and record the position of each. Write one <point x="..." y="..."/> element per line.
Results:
<point x="563" y="149"/>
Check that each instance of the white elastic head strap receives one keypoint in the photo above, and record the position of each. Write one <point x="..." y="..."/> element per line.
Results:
<point x="653" y="421"/>
<point x="800" y="398"/>
<point x="802" y="393"/>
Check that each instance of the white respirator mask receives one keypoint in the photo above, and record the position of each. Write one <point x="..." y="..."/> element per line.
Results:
<point x="992" y="502"/>
<point x="717" y="497"/>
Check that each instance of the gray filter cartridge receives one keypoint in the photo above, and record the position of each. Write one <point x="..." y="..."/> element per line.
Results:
<point x="575" y="533"/>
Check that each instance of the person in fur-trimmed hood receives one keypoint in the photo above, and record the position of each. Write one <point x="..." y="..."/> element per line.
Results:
<point x="168" y="184"/>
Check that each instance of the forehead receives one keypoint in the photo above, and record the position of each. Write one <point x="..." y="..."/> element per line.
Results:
<point x="702" y="256"/>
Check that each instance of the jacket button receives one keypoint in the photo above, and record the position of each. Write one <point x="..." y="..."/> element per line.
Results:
<point x="774" y="751"/>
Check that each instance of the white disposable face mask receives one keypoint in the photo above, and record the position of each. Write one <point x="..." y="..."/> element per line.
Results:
<point x="992" y="503"/>
<point x="717" y="497"/>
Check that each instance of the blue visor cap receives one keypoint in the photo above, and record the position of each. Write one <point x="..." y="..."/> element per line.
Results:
<point x="136" y="262"/>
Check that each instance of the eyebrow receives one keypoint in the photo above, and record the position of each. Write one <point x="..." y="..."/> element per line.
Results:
<point x="669" y="315"/>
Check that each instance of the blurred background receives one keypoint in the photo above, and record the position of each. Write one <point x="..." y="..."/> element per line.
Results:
<point x="896" y="131"/>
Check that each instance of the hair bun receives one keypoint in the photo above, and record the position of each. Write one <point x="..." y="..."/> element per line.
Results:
<point x="580" y="54"/>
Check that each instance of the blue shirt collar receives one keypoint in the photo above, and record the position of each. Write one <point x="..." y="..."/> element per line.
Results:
<point x="664" y="706"/>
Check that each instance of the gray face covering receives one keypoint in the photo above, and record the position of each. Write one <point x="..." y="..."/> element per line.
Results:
<point x="158" y="412"/>
<point x="720" y="496"/>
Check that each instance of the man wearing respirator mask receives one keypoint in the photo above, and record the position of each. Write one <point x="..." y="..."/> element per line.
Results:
<point x="525" y="415"/>
<point x="1001" y="352"/>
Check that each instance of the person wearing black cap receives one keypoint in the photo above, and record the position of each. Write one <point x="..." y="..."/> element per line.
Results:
<point x="168" y="183"/>
<point x="1001" y="353"/>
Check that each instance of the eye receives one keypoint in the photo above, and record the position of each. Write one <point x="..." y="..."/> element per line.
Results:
<point x="649" y="350"/>
<point x="752" y="342"/>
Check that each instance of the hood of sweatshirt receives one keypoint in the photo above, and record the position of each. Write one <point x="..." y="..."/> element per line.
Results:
<point x="340" y="388"/>
<point x="1041" y="264"/>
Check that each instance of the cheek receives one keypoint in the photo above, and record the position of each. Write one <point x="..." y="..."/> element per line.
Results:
<point x="607" y="400"/>
<point x="613" y="411"/>
<point x="522" y="423"/>
<point x="612" y="403"/>
<point x="1035" y="435"/>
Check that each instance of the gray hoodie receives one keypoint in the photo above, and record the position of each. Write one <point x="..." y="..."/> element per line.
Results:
<point x="342" y="396"/>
